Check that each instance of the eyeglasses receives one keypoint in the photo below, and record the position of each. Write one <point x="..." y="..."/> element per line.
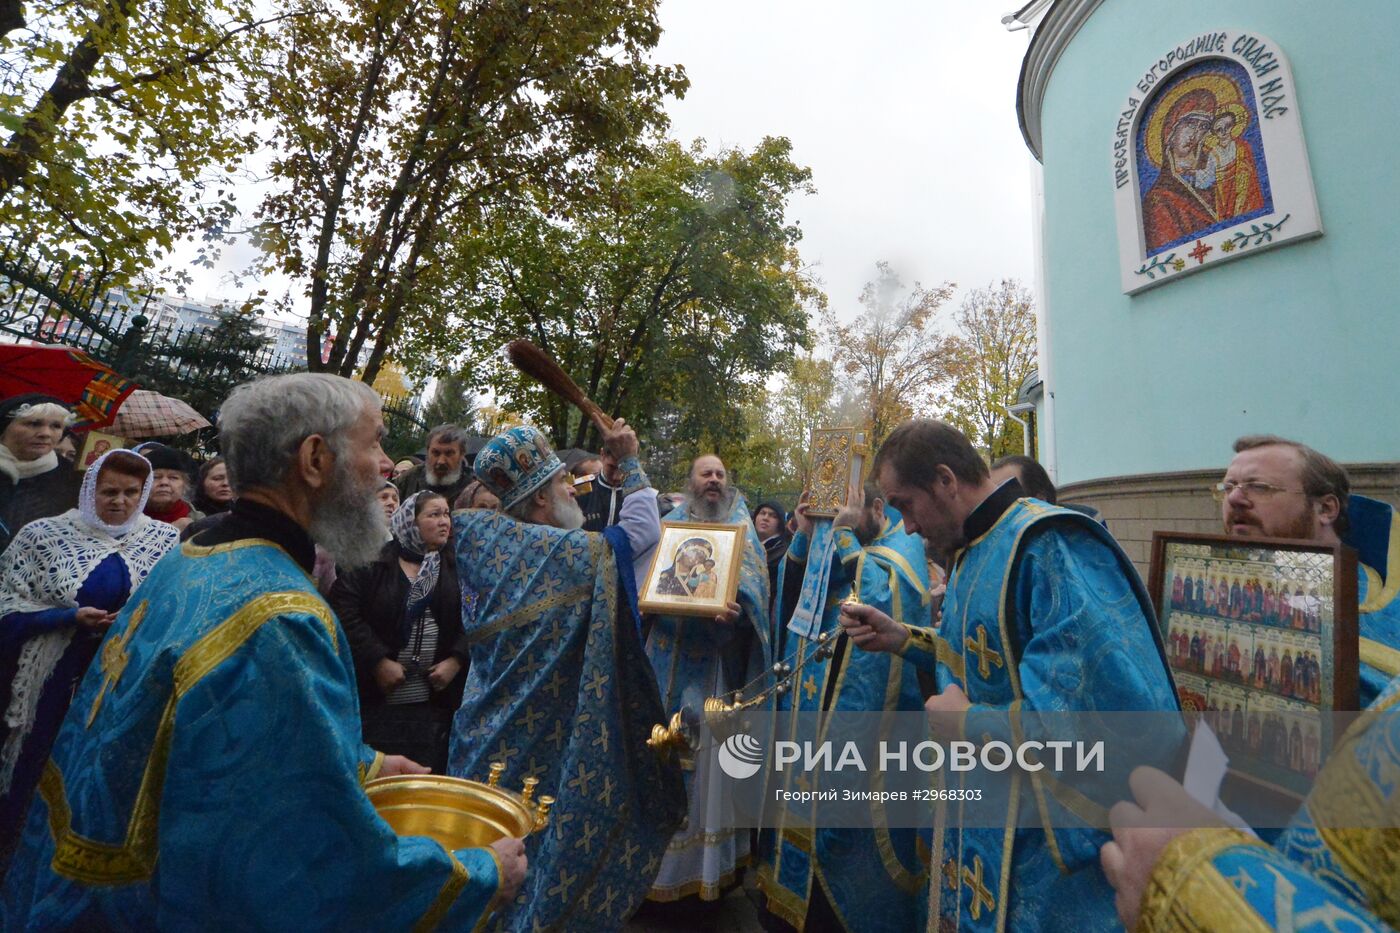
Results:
<point x="1252" y="489"/>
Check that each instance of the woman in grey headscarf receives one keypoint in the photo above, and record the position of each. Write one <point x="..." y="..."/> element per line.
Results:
<point x="402" y="616"/>
<point x="62" y="582"/>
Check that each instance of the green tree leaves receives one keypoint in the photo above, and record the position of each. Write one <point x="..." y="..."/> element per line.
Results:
<point x="993" y="353"/>
<point x="670" y="290"/>
<point x="116" y="114"/>
<point x="406" y="126"/>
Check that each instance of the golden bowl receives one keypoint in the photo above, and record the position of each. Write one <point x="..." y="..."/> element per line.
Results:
<point x="458" y="813"/>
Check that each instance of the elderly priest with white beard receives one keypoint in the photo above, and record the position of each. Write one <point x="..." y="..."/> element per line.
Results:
<point x="209" y="773"/>
<point x="559" y="688"/>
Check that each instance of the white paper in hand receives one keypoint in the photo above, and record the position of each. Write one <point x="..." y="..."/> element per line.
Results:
<point x="1205" y="770"/>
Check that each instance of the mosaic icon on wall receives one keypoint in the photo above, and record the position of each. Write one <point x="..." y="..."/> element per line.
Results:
<point x="1200" y="158"/>
<point x="1209" y="162"/>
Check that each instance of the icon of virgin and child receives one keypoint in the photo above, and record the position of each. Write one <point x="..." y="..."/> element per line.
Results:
<point x="692" y="571"/>
<point x="1208" y="174"/>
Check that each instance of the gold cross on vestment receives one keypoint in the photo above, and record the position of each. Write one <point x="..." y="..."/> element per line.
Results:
<point x="504" y="753"/>
<point x="597" y="682"/>
<point x="810" y="686"/>
<point x="585" y="777"/>
<point x="566" y="881"/>
<point x="115" y="658"/>
<point x="986" y="655"/>
<point x="981" y="896"/>
<point x="950" y="874"/>
<point x="585" y="840"/>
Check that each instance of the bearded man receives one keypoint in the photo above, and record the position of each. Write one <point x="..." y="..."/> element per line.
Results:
<point x="559" y="689"/>
<point x="1279" y="488"/>
<point x="841" y="878"/>
<point x="444" y="472"/>
<point x="695" y="658"/>
<point x="209" y="772"/>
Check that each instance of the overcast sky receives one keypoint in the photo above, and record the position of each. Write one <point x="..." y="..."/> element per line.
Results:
<point x="905" y="110"/>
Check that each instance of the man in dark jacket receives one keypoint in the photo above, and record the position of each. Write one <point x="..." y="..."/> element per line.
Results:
<point x="602" y="503"/>
<point x="770" y="521"/>
<point x="445" y="471"/>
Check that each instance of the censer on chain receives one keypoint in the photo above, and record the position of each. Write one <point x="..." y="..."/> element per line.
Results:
<point x="682" y="732"/>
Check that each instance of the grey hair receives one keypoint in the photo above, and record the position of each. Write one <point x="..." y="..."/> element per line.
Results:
<point x="450" y="434"/>
<point x="522" y="509"/>
<point x="44" y="410"/>
<point x="263" y="422"/>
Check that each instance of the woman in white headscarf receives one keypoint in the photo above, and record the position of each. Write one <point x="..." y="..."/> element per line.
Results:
<point x="62" y="582"/>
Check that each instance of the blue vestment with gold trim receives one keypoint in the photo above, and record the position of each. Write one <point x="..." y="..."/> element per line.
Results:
<point x="560" y="690"/>
<point x="1044" y="612"/>
<point x="1374" y="530"/>
<point x="695" y="658"/>
<point x="209" y="774"/>
<point x="873" y="877"/>
<point x="1336" y="866"/>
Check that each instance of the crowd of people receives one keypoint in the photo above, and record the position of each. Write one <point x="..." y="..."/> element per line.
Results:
<point x="201" y="665"/>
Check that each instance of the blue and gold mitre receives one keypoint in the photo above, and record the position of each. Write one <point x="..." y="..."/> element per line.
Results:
<point x="515" y="464"/>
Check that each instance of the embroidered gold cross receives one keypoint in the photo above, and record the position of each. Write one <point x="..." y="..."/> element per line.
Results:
<point x="986" y="655"/>
<point x="810" y="686"/>
<point x="585" y="777"/>
<point x="981" y="896"/>
<point x="566" y="881"/>
<point x="950" y="874"/>
<point x="585" y="841"/>
<point x="114" y="659"/>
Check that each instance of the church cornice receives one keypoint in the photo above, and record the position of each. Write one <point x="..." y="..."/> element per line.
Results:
<point x="1051" y="38"/>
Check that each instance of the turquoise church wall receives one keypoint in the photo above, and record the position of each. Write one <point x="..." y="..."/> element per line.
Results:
<point x="1302" y="340"/>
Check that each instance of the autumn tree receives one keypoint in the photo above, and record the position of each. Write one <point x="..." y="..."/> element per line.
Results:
<point x="676" y="289"/>
<point x="805" y="401"/>
<point x="775" y="453"/>
<point x="402" y="124"/>
<point x="118" y="126"/>
<point x="892" y="350"/>
<point x="992" y="353"/>
<point x="755" y="461"/>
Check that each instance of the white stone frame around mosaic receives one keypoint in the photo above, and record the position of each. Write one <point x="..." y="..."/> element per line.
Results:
<point x="1295" y="215"/>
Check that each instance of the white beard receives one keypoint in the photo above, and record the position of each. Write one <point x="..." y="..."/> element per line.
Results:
<point x="566" y="514"/>
<point x="349" y="522"/>
<point x="444" y="479"/>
